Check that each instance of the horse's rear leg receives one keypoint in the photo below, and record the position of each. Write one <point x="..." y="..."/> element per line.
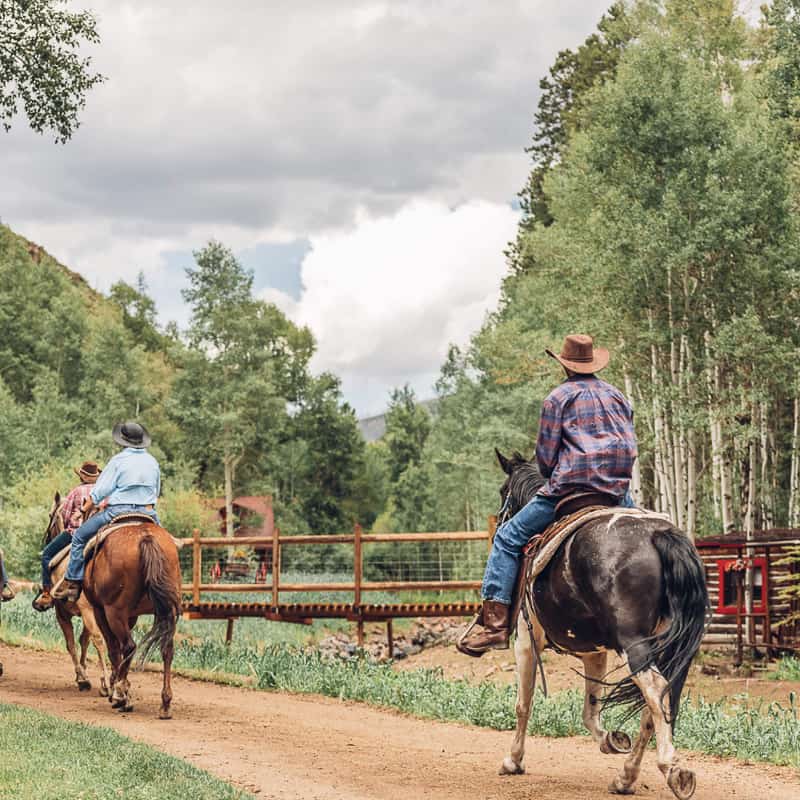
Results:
<point x="119" y="624"/>
<point x="167" y="650"/>
<point x="624" y="782"/>
<point x="594" y="670"/>
<point x="65" y="623"/>
<point x="526" y="683"/>
<point x="653" y="685"/>
<point x="111" y="643"/>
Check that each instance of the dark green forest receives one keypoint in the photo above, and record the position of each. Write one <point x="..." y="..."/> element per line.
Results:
<point x="660" y="215"/>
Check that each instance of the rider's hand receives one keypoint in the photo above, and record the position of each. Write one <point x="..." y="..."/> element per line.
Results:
<point x="88" y="505"/>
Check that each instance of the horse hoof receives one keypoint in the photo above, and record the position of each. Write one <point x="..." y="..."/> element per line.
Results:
<point x="617" y="787"/>
<point x="682" y="782"/>
<point x="126" y="708"/>
<point x="510" y="767"/>
<point x="164" y="714"/>
<point x="117" y="702"/>
<point x="616" y="742"/>
<point x="1" y="670"/>
<point x="84" y="685"/>
<point x="103" y="691"/>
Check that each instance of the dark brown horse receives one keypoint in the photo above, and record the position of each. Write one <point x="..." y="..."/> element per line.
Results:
<point x="136" y="571"/>
<point x="631" y="585"/>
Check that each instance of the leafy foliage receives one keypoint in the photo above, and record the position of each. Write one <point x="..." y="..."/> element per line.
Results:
<point x="42" y="68"/>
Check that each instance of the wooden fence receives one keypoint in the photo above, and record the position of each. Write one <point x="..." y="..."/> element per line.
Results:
<point x="357" y="610"/>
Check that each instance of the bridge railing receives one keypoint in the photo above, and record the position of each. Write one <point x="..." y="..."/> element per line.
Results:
<point x="358" y="539"/>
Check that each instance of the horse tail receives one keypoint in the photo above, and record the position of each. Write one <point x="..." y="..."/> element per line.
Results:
<point x="164" y="594"/>
<point x="687" y="607"/>
<point x="686" y="612"/>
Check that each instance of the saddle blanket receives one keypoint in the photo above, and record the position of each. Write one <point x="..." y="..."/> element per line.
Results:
<point x="122" y="521"/>
<point x="543" y="547"/>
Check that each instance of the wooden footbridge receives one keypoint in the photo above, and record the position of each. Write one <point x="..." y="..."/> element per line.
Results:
<point x="202" y="600"/>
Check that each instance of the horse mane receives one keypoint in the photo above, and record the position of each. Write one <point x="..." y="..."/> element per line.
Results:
<point x="525" y="479"/>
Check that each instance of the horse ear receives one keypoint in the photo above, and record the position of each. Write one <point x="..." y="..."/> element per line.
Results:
<point x="57" y="498"/>
<point x="503" y="461"/>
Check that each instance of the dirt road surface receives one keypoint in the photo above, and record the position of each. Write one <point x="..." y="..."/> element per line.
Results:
<point x="291" y="747"/>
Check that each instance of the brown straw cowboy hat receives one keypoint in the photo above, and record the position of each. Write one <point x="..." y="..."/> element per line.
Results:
<point x="88" y="472"/>
<point x="579" y="354"/>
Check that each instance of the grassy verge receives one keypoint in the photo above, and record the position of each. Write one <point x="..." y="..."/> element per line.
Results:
<point x="757" y="731"/>
<point x="46" y="758"/>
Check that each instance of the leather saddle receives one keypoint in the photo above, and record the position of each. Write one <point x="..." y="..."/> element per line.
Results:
<point x="123" y="520"/>
<point x="570" y="510"/>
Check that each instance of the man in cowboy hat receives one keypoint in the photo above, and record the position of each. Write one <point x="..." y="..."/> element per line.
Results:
<point x="586" y="443"/>
<point x="72" y="516"/>
<point x="130" y="483"/>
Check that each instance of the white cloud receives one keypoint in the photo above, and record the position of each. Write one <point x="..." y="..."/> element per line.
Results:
<point x="386" y="298"/>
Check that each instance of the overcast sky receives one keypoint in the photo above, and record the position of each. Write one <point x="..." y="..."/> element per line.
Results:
<point x="363" y="158"/>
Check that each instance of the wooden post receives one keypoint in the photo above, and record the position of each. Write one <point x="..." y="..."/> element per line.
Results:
<point x="276" y="566"/>
<point x="739" y="600"/>
<point x="197" y="566"/>
<point x="229" y="630"/>
<point x="358" y="565"/>
<point x="491" y="530"/>
<point x="390" y="637"/>
<point x="358" y="569"/>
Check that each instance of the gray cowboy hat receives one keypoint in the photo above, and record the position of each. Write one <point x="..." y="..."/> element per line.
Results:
<point x="131" y="434"/>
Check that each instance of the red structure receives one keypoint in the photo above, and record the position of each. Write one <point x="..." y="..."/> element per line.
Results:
<point x="727" y="558"/>
<point x="253" y="517"/>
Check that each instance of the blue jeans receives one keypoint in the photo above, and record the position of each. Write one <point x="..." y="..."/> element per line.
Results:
<point x="53" y="548"/>
<point x="90" y="528"/>
<point x="509" y="539"/>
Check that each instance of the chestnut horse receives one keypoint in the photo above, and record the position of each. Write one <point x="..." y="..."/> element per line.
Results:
<point x="632" y="585"/>
<point x="82" y="608"/>
<point x="136" y="571"/>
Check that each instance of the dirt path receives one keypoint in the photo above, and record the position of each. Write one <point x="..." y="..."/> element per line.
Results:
<point x="286" y="747"/>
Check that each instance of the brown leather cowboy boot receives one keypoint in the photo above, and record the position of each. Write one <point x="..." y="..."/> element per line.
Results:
<point x="68" y="590"/>
<point x="494" y="636"/>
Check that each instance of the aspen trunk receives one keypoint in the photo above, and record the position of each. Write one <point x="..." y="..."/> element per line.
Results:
<point x="716" y="449"/>
<point x="636" y="476"/>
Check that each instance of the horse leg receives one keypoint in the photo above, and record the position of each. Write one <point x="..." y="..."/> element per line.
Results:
<point x="594" y="671"/>
<point x="526" y="683"/>
<point x="120" y="627"/>
<point x="114" y="655"/>
<point x="623" y="783"/>
<point x="65" y="623"/>
<point x="84" y="640"/>
<point x="654" y="687"/>
<point x="92" y="627"/>
<point x="167" y="650"/>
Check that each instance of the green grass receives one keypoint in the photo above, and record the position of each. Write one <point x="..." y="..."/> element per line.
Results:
<point x="46" y="758"/>
<point x="788" y="669"/>
<point x="262" y="656"/>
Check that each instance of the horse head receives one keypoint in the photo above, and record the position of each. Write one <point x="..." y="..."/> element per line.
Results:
<point x="523" y="480"/>
<point x="55" y="523"/>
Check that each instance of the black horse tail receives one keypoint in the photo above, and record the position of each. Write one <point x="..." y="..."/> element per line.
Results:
<point x="164" y="594"/>
<point x="685" y="610"/>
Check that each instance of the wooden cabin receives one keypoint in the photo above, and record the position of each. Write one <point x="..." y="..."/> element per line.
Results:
<point x="726" y="559"/>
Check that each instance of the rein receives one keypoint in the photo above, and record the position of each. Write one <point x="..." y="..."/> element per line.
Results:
<point x="503" y="515"/>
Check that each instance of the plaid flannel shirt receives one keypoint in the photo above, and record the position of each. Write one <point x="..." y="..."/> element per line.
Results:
<point x="586" y="439"/>
<point x="73" y="516"/>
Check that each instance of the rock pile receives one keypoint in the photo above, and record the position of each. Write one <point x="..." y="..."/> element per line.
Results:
<point x="424" y="633"/>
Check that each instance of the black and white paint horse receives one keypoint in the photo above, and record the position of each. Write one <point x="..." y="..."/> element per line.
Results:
<point x="630" y="585"/>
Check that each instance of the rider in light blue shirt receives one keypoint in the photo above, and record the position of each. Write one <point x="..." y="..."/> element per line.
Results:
<point x="130" y="483"/>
